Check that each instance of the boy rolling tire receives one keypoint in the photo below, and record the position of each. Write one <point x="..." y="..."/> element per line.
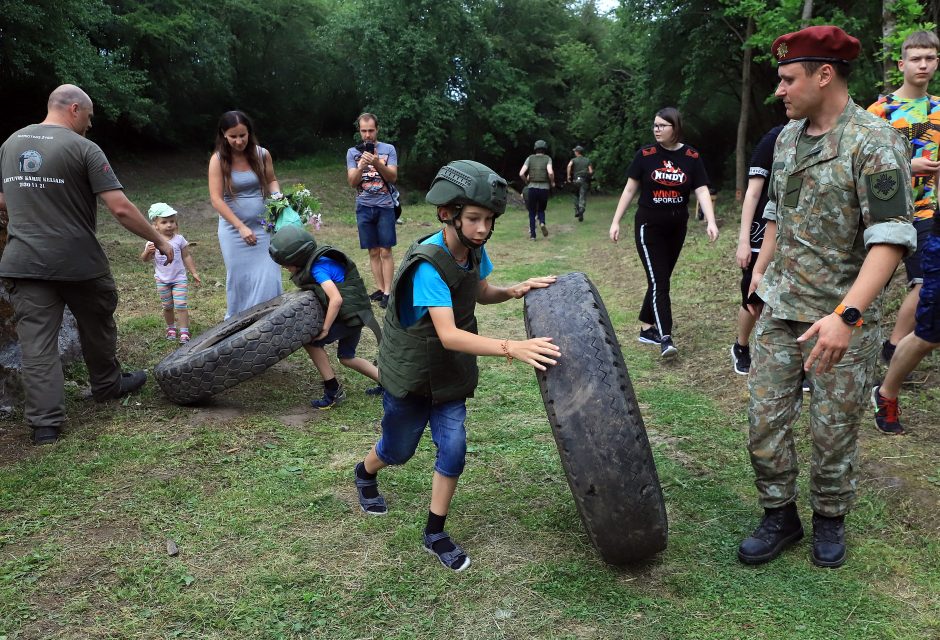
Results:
<point x="597" y="424"/>
<point x="240" y="348"/>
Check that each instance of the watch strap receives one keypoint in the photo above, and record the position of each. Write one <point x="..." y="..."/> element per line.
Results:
<point x="841" y="309"/>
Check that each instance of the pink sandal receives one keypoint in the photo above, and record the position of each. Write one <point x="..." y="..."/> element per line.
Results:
<point x="184" y="336"/>
<point x="171" y="333"/>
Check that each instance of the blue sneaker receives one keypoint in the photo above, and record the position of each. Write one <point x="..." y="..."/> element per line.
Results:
<point x="329" y="400"/>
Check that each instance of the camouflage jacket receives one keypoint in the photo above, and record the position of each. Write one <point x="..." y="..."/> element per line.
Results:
<point x="850" y="192"/>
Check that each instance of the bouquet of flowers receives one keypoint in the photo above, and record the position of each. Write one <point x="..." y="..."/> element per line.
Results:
<point x="295" y="206"/>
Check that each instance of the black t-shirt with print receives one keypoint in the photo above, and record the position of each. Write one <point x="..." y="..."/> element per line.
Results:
<point x="762" y="159"/>
<point x="667" y="177"/>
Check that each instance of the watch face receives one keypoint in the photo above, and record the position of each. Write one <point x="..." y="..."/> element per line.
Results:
<point x="851" y="315"/>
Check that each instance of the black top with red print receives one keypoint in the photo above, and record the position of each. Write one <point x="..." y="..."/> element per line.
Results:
<point x="667" y="177"/>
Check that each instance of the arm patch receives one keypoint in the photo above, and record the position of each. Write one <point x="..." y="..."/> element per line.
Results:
<point x="888" y="197"/>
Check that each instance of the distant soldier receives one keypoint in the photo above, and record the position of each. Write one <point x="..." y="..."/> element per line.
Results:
<point x="538" y="174"/>
<point x="580" y="172"/>
<point x="838" y="224"/>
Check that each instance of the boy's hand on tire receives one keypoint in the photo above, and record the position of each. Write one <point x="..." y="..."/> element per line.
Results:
<point x="519" y="290"/>
<point x="536" y="352"/>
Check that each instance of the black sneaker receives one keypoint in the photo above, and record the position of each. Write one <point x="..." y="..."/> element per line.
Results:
<point x="887" y="351"/>
<point x="650" y="336"/>
<point x="544" y="229"/>
<point x="376" y="295"/>
<point x="741" y="358"/>
<point x="668" y="350"/>
<point x="778" y="529"/>
<point x="383" y="303"/>
<point x="828" y="541"/>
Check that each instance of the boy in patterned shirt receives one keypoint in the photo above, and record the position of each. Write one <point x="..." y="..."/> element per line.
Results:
<point x="915" y="113"/>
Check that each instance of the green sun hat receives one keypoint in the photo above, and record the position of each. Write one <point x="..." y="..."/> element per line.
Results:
<point x="160" y="210"/>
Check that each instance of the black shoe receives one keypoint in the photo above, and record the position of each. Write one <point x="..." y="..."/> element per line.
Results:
<point x="741" y="358"/>
<point x="376" y="295"/>
<point x="383" y="303"/>
<point x="887" y="351"/>
<point x="45" y="435"/>
<point x="828" y="541"/>
<point x="778" y="529"/>
<point x="667" y="350"/>
<point x="650" y="336"/>
<point x="130" y="382"/>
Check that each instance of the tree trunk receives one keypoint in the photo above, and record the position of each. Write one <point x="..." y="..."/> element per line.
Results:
<point x="740" y="162"/>
<point x="807" y="13"/>
<point x="888" y="26"/>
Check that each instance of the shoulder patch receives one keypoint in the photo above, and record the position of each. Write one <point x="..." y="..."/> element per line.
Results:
<point x="692" y="153"/>
<point x="884" y="184"/>
<point x="648" y="151"/>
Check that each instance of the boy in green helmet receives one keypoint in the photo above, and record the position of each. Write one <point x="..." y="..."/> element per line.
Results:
<point x="334" y="278"/>
<point x="427" y="360"/>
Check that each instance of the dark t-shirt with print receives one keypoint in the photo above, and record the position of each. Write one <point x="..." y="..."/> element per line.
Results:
<point x="667" y="177"/>
<point x="50" y="178"/>
<point x="762" y="160"/>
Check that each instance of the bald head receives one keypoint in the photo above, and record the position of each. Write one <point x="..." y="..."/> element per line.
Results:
<point x="71" y="107"/>
<point x="66" y="95"/>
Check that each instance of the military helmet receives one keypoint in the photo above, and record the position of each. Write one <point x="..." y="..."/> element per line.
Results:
<point x="579" y="149"/>
<point x="292" y="245"/>
<point x="540" y="144"/>
<point x="468" y="182"/>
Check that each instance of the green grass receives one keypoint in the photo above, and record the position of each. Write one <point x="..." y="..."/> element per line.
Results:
<point x="255" y="487"/>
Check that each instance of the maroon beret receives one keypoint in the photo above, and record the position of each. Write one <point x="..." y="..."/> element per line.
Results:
<point x="824" y="43"/>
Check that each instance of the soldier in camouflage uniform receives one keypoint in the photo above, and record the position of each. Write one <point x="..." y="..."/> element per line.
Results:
<point x="839" y="221"/>
<point x="580" y="172"/>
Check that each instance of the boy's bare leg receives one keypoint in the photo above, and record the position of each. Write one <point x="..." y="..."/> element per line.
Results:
<point x="375" y="263"/>
<point x="442" y="492"/>
<point x="905" y="321"/>
<point x="911" y="350"/>
<point x="388" y="268"/>
<point x="361" y="365"/>
<point x="745" y="325"/>
<point x="373" y="463"/>
<point x="320" y="361"/>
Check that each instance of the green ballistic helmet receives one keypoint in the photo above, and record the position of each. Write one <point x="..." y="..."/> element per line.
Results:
<point x="579" y="149"/>
<point x="468" y="182"/>
<point x="292" y="246"/>
<point x="540" y="144"/>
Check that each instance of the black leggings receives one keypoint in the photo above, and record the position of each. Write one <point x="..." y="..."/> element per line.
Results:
<point x="659" y="237"/>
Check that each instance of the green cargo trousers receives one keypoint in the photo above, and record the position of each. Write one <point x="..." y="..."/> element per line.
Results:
<point x="38" y="306"/>
<point x="836" y="406"/>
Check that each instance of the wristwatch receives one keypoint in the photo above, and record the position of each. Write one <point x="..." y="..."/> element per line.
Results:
<point x="850" y="315"/>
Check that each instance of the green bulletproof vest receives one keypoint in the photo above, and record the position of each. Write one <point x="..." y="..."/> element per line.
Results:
<point x="413" y="360"/>
<point x="579" y="166"/>
<point x="538" y="167"/>
<point x="356" y="309"/>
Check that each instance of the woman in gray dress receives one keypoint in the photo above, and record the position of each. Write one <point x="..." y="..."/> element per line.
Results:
<point x="241" y="176"/>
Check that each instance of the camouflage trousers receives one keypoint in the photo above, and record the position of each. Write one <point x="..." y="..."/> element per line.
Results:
<point x="580" y="196"/>
<point x="839" y="399"/>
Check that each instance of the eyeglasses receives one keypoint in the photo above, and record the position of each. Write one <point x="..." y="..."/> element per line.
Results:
<point x="658" y="127"/>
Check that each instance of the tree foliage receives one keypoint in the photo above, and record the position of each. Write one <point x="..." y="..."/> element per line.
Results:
<point x="474" y="78"/>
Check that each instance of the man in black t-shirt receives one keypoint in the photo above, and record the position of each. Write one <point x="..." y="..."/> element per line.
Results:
<point x="50" y="176"/>
<point x="749" y="241"/>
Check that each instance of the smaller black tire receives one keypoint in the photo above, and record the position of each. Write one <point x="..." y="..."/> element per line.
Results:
<point x="240" y="348"/>
<point x="596" y="422"/>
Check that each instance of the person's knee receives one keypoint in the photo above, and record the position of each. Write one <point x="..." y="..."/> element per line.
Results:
<point x="395" y="454"/>
<point x="375" y="252"/>
<point x="451" y="457"/>
<point x="385" y="253"/>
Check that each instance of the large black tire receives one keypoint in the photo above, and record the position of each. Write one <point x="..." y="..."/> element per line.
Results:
<point x="240" y="348"/>
<point x="596" y="422"/>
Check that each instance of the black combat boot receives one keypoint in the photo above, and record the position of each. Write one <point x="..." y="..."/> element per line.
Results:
<point x="828" y="541"/>
<point x="777" y="530"/>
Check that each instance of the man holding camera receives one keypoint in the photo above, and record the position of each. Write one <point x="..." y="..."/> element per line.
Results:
<point x="372" y="169"/>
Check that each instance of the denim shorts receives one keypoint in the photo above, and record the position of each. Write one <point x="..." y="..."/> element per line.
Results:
<point x="348" y="338"/>
<point x="404" y="422"/>
<point x="927" y="318"/>
<point x="912" y="263"/>
<point x="376" y="226"/>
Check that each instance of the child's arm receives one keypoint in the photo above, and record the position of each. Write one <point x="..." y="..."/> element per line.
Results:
<point x="537" y="352"/>
<point x="190" y="263"/>
<point x="489" y="294"/>
<point x="332" y="309"/>
<point x="147" y="254"/>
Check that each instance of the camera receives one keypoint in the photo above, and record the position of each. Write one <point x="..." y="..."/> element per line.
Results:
<point x="369" y="147"/>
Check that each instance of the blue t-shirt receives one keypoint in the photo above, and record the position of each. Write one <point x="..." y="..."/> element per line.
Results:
<point x="428" y="288"/>
<point x="372" y="191"/>
<point x="327" y="269"/>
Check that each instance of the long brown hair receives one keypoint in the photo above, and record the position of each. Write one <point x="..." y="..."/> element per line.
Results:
<point x="255" y="160"/>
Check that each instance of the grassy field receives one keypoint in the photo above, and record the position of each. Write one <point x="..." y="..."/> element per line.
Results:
<point x="255" y="488"/>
